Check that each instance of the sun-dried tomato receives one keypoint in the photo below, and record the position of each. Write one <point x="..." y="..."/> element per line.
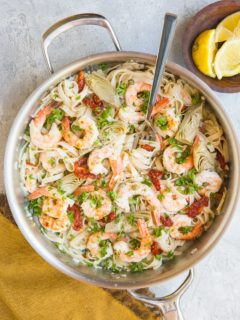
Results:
<point x="78" y="219"/>
<point x="197" y="207"/>
<point x="147" y="147"/>
<point x="81" y="81"/>
<point x="155" y="248"/>
<point x="220" y="159"/>
<point x="155" y="176"/>
<point x="81" y="170"/>
<point x="94" y="103"/>
<point x="109" y="218"/>
<point x="166" y="221"/>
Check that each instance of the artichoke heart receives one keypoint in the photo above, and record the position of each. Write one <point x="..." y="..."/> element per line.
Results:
<point x="189" y="126"/>
<point x="102" y="88"/>
<point x="203" y="159"/>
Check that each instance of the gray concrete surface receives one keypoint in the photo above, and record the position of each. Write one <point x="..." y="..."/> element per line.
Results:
<point x="215" y="292"/>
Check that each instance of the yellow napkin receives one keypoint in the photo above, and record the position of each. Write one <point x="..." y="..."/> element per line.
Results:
<point x="30" y="289"/>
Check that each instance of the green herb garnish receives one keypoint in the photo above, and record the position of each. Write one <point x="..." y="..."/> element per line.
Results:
<point x="162" y="122"/>
<point x="196" y="98"/>
<point x="56" y="114"/>
<point x="70" y="216"/>
<point x="103" y="119"/>
<point x="83" y="197"/>
<point x="147" y="182"/>
<point x="112" y="195"/>
<point x="34" y="206"/>
<point x="144" y="95"/>
<point x="121" y="89"/>
<point x="136" y="267"/>
<point x="157" y="231"/>
<point x="132" y="220"/>
<point x="185" y="230"/>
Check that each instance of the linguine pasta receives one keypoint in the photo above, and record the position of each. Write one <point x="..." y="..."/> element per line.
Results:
<point x="104" y="203"/>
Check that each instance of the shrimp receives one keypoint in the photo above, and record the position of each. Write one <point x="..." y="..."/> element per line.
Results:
<point x="48" y="140"/>
<point x="131" y="114"/>
<point x="51" y="162"/>
<point x="172" y="201"/>
<point x="117" y="168"/>
<point x="90" y="132"/>
<point x="97" y="206"/>
<point x="208" y="181"/>
<point x="98" y="241"/>
<point x="132" y="92"/>
<point x="169" y="161"/>
<point x="96" y="161"/>
<point x="53" y="205"/>
<point x="124" y="251"/>
<point x="129" y="190"/>
<point x="53" y="224"/>
<point x="167" y="122"/>
<point x="183" y="221"/>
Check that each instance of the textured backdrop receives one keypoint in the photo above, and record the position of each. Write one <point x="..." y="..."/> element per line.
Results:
<point x="216" y="289"/>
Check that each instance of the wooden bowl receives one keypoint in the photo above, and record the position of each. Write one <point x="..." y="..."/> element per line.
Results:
<point x="208" y="18"/>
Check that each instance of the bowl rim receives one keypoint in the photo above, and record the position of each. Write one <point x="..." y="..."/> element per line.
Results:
<point x="187" y="56"/>
<point x="11" y="149"/>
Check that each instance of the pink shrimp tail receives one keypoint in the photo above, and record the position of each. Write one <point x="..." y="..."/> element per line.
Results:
<point x="38" y="193"/>
<point x="42" y="114"/>
<point x="117" y="167"/>
<point x="66" y="124"/>
<point x="159" y="105"/>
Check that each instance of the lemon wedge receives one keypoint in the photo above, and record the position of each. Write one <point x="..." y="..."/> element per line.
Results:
<point x="227" y="60"/>
<point x="203" y="52"/>
<point x="228" y="28"/>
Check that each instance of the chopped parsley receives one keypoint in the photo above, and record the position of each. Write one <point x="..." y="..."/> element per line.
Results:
<point x="132" y="220"/>
<point x="170" y="255"/>
<point x="93" y="226"/>
<point x="144" y="95"/>
<point x="103" y="183"/>
<point x="104" y="245"/>
<point x="75" y="128"/>
<point x="187" y="183"/>
<point x="181" y="158"/>
<point x="83" y="197"/>
<point x="158" y="257"/>
<point x="147" y="182"/>
<point x="34" y="206"/>
<point x="103" y="66"/>
<point x="162" y="122"/>
<point x="136" y="267"/>
<point x="160" y="196"/>
<point x="131" y="128"/>
<point x="96" y="201"/>
<point x="185" y="229"/>
<point x="157" y="231"/>
<point x="134" y="200"/>
<point x="103" y="119"/>
<point x="112" y="195"/>
<point x="70" y="216"/>
<point x="121" y="89"/>
<point x="196" y="98"/>
<point x="56" y="114"/>
<point x="134" y="243"/>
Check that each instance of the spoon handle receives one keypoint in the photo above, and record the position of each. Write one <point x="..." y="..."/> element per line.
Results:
<point x="169" y="26"/>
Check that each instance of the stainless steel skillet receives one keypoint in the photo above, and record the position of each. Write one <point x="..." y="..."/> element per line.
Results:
<point x="16" y="199"/>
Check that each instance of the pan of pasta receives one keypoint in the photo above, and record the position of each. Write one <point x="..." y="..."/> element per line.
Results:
<point x="100" y="210"/>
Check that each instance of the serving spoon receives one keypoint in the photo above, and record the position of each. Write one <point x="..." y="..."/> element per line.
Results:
<point x="169" y="26"/>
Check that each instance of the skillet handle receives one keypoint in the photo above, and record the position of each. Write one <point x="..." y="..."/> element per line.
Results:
<point x="168" y="305"/>
<point x="71" y="22"/>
